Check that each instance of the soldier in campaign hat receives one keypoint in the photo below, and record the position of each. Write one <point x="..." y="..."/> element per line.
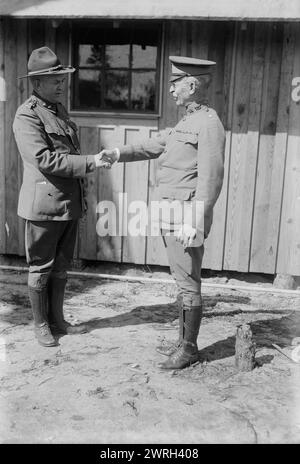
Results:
<point x="51" y="198"/>
<point x="190" y="171"/>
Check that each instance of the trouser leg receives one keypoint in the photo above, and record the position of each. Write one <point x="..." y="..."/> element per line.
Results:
<point x="40" y="250"/>
<point x="49" y="250"/>
<point x="58" y="280"/>
<point x="186" y="264"/>
<point x="167" y="348"/>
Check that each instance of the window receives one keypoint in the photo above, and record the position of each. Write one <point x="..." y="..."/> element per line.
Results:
<point x="117" y="66"/>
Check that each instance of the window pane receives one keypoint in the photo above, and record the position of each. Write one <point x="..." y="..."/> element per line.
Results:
<point x="89" y="91"/>
<point x="90" y="55"/>
<point x="116" y="84"/>
<point x="116" y="65"/>
<point x="117" y="56"/>
<point x="143" y="56"/>
<point x="143" y="91"/>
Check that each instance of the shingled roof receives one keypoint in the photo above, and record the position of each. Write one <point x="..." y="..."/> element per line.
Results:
<point x="287" y="10"/>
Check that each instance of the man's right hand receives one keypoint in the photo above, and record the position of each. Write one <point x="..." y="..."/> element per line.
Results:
<point x="106" y="158"/>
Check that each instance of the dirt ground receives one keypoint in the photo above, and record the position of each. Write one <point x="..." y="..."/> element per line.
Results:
<point x="106" y="387"/>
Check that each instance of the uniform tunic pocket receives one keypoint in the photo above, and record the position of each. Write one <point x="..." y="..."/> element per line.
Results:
<point x="48" y="200"/>
<point x="58" y="139"/>
<point x="186" y="137"/>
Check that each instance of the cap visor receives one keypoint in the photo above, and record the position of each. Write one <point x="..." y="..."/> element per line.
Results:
<point x="176" y="78"/>
<point x="66" y="70"/>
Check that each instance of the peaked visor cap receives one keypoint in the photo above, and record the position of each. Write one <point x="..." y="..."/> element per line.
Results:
<point x="185" y="66"/>
<point x="43" y="62"/>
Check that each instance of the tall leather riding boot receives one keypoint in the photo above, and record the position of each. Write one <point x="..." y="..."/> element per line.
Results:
<point x="39" y="304"/>
<point x="58" y="325"/>
<point x="187" y="353"/>
<point x="167" y="349"/>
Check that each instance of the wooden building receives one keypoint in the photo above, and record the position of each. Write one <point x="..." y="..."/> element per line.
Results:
<point x="256" y="92"/>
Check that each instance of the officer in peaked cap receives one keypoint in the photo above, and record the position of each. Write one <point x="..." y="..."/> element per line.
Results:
<point x="51" y="198"/>
<point x="190" y="171"/>
<point x="183" y="66"/>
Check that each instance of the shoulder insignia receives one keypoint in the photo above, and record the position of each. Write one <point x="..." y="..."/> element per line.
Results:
<point x="32" y="103"/>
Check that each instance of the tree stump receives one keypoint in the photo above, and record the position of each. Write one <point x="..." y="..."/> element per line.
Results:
<point x="244" y="348"/>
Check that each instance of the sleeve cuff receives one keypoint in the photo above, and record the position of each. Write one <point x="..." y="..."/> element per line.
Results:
<point x="90" y="163"/>
<point x="117" y="151"/>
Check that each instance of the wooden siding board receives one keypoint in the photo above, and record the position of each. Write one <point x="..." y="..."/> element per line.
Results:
<point x="245" y="136"/>
<point x="87" y="226"/>
<point x="22" y="53"/>
<point x="217" y="53"/>
<point x="62" y="51"/>
<point x="198" y="39"/>
<point x="50" y="35"/>
<point x="11" y="152"/>
<point x="110" y="185"/>
<point x="281" y="138"/>
<point x="36" y="38"/>
<point x="237" y="149"/>
<point x="36" y="34"/>
<point x="289" y="241"/>
<point x="264" y="236"/>
<point x="229" y="91"/>
<point x="214" y="245"/>
<point x="136" y="189"/>
<point x="229" y="74"/>
<point x="173" y="46"/>
<point x="2" y="139"/>
<point x="155" y="250"/>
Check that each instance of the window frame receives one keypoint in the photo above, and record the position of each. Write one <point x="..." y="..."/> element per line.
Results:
<point x="134" y="114"/>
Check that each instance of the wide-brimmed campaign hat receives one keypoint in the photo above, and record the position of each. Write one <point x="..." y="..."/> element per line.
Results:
<point x="44" y="62"/>
<point x="185" y="66"/>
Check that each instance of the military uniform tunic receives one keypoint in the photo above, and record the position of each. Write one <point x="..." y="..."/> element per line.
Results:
<point x="52" y="187"/>
<point x="51" y="198"/>
<point x="190" y="159"/>
<point x="190" y="167"/>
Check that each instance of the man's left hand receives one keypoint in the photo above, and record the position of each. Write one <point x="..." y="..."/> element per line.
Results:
<point x="186" y="235"/>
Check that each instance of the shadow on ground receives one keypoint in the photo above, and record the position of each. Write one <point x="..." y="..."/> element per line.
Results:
<point x="265" y="333"/>
<point x="20" y="312"/>
<point x="279" y="330"/>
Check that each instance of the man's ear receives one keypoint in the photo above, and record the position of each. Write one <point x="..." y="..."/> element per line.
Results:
<point x="36" y="84"/>
<point x="192" y="88"/>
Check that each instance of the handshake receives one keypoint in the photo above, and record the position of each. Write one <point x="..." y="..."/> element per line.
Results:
<point x="106" y="158"/>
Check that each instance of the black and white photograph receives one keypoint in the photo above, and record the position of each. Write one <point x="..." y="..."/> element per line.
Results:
<point x="149" y="225"/>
